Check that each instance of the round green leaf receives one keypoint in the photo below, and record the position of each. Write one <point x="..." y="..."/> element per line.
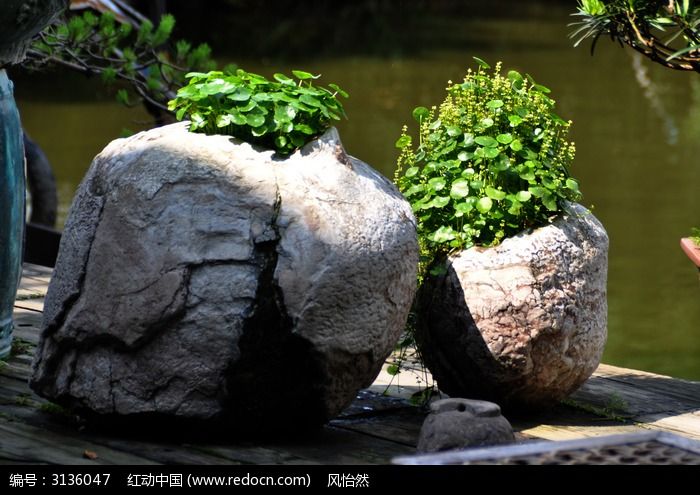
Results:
<point x="437" y="183"/>
<point x="248" y="106"/>
<point x="443" y="234"/>
<point x="500" y="165"/>
<point x="403" y="142"/>
<point x="223" y="120"/>
<point x="523" y="196"/>
<point x="259" y="131"/>
<point x="440" y="201"/>
<point x="494" y="104"/>
<point x="280" y="142"/>
<point x="338" y="90"/>
<point x="494" y="193"/>
<point x="484" y="205"/>
<point x="481" y="63"/>
<point x="515" y="207"/>
<point x="420" y="114"/>
<point x="537" y="191"/>
<point x="414" y="189"/>
<point x="286" y="127"/>
<point x="284" y="79"/>
<point x="463" y="208"/>
<point x="453" y="131"/>
<point x="486" y="141"/>
<point x="487" y="122"/>
<point x="197" y="120"/>
<point x="410" y="172"/>
<point x="504" y="138"/>
<point x="305" y="129"/>
<point x="240" y="94"/>
<point x="550" y="201"/>
<point x="255" y="119"/>
<point x="572" y="184"/>
<point x="527" y="175"/>
<point x="464" y="156"/>
<point x="515" y="120"/>
<point x="491" y="152"/>
<point x="301" y="74"/>
<point x="236" y="117"/>
<point x="516" y="145"/>
<point x="216" y="86"/>
<point x="516" y="79"/>
<point x="310" y="100"/>
<point x="460" y="188"/>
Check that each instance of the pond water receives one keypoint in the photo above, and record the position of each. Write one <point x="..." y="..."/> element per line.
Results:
<point x="636" y="126"/>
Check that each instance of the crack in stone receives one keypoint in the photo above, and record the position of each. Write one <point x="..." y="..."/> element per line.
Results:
<point x="52" y="327"/>
<point x="272" y="357"/>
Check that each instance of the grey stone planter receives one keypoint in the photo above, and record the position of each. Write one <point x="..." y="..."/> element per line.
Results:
<point x="202" y="278"/>
<point x="524" y="323"/>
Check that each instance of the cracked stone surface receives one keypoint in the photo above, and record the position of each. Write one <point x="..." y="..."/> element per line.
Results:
<point x="524" y="323"/>
<point x="201" y="278"/>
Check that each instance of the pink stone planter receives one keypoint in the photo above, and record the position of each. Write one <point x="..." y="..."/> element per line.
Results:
<point x="692" y="250"/>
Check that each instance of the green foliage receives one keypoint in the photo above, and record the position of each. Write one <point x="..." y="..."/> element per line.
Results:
<point x="56" y="410"/>
<point x="283" y="114"/>
<point x="491" y="161"/>
<point x="666" y="32"/>
<point x="615" y="408"/>
<point x="20" y="347"/>
<point x="695" y="235"/>
<point x="138" y="58"/>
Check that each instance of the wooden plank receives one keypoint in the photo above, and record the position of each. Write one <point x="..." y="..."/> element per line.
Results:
<point x="687" y="425"/>
<point x="162" y="453"/>
<point x="28" y="411"/>
<point x="36" y="269"/>
<point x="251" y="454"/>
<point x="368" y="402"/>
<point x="16" y="369"/>
<point x="337" y="446"/>
<point x="37" y="285"/>
<point x="570" y="432"/>
<point x="27" y="292"/>
<point x="329" y="445"/>
<point x="36" y="305"/>
<point x="629" y="399"/>
<point x="683" y="392"/>
<point x="27" y="325"/>
<point x="400" y="426"/>
<point x="20" y="442"/>
<point x="37" y="272"/>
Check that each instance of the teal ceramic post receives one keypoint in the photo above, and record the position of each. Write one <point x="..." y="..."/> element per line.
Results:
<point x="12" y="198"/>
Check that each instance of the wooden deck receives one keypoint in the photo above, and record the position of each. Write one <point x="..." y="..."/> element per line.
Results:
<point x="375" y="429"/>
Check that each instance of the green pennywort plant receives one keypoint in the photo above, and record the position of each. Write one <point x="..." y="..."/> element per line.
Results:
<point x="283" y="114"/>
<point x="695" y="235"/>
<point x="491" y="161"/>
